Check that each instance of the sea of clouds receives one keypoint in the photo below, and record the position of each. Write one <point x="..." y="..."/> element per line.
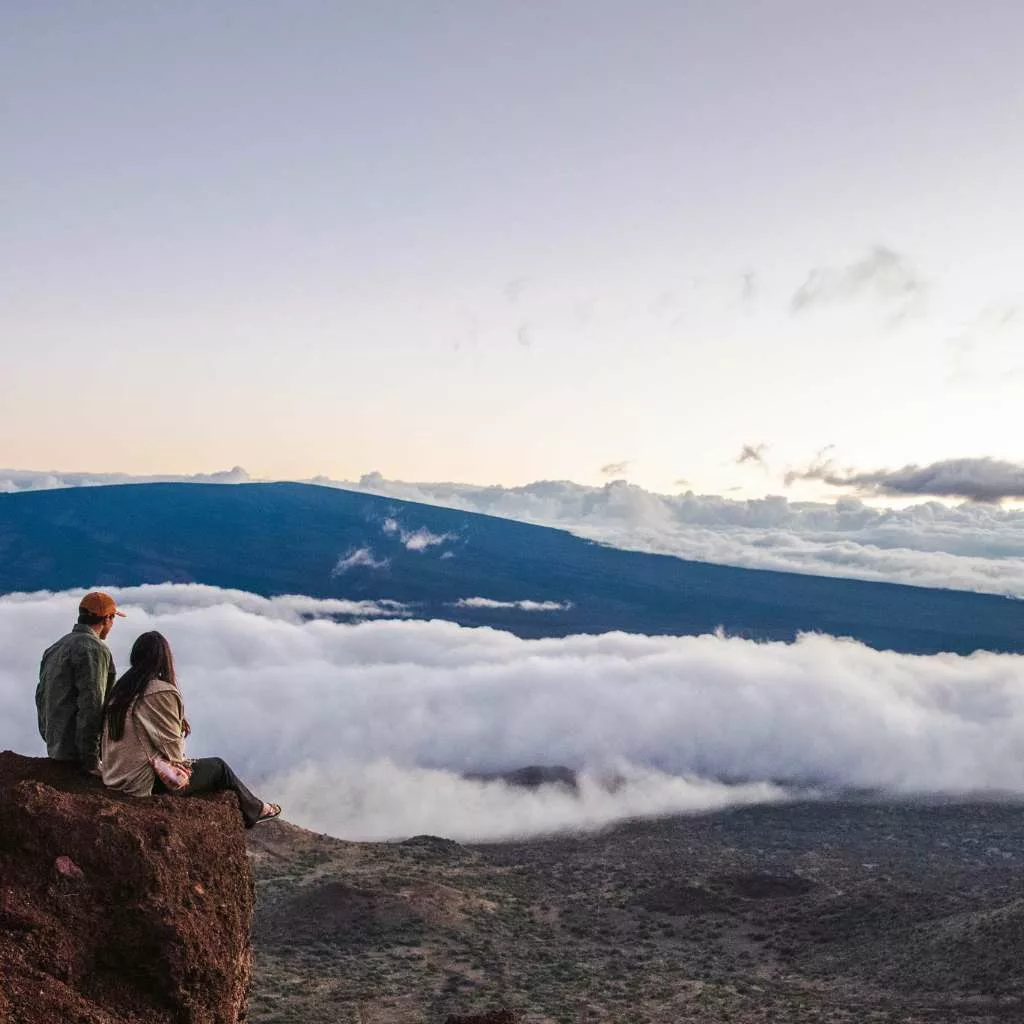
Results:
<point x="365" y="729"/>
<point x="977" y="547"/>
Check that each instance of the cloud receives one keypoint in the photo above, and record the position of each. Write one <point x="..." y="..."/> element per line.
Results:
<point x="416" y="540"/>
<point x="382" y="796"/>
<point x="752" y="453"/>
<point x="822" y="465"/>
<point x="12" y="480"/>
<point x="977" y="479"/>
<point x="366" y="730"/>
<point x="616" y="468"/>
<point x="523" y="606"/>
<point x="971" y="547"/>
<point x="358" y="558"/>
<point x="883" y="275"/>
<point x="162" y="599"/>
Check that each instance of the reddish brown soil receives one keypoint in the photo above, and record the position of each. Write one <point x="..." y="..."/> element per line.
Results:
<point x="116" y="909"/>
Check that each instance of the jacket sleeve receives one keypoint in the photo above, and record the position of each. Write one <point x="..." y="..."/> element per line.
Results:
<point x="41" y="706"/>
<point x="92" y="664"/>
<point x="161" y="715"/>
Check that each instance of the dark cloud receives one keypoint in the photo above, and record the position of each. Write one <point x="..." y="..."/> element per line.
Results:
<point x="882" y="275"/>
<point x="820" y="465"/>
<point x="980" y="479"/>
<point x="752" y="453"/>
<point x="616" y="468"/>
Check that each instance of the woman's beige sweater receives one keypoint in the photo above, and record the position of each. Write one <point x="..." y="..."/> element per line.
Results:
<point x="154" y="724"/>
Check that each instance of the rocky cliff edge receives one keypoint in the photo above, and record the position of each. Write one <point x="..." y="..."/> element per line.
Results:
<point x="117" y="909"/>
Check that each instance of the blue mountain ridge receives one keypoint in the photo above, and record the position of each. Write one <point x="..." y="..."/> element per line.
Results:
<point x="287" y="538"/>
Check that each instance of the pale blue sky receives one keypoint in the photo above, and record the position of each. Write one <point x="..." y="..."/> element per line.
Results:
<point x="500" y="242"/>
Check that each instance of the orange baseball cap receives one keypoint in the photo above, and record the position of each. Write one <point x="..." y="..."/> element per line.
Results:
<point x="99" y="604"/>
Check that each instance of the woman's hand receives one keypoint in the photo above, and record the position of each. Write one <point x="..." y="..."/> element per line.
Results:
<point x="186" y="729"/>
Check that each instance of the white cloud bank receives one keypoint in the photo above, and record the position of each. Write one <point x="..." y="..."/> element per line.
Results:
<point x="12" y="480"/>
<point x="364" y="731"/>
<point x="969" y="547"/>
<point x="167" y="599"/>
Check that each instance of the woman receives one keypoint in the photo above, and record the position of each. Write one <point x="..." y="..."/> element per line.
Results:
<point x="143" y="717"/>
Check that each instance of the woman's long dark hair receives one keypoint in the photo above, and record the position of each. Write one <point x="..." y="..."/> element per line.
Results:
<point x="151" y="659"/>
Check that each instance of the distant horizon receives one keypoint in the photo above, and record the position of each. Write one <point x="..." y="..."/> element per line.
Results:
<point x="13" y="479"/>
<point x="964" y="545"/>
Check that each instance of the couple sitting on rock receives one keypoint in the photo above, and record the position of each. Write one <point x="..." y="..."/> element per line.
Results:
<point x="125" y="730"/>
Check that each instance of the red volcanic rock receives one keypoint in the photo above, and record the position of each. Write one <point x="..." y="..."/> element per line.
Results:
<point x="67" y="867"/>
<point x="117" y="909"/>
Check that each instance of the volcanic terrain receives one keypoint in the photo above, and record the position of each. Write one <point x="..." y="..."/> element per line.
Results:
<point x="859" y="910"/>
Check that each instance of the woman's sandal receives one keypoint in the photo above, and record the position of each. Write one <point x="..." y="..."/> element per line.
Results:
<point x="275" y="810"/>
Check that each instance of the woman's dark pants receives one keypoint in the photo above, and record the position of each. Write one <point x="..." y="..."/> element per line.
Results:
<point x="211" y="775"/>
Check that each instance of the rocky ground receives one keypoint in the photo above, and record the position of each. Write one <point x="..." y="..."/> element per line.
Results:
<point x="812" y="912"/>
<point x="115" y="909"/>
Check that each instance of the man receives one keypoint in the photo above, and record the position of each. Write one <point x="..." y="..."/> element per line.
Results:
<point x="74" y="677"/>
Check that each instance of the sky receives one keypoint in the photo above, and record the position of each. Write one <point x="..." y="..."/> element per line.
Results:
<point x="367" y="731"/>
<point x="745" y="248"/>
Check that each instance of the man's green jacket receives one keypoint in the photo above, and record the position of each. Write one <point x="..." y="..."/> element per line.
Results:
<point x="74" y="677"/>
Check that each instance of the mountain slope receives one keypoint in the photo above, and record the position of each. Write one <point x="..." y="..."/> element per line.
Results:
<point x="295" y="538"/>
